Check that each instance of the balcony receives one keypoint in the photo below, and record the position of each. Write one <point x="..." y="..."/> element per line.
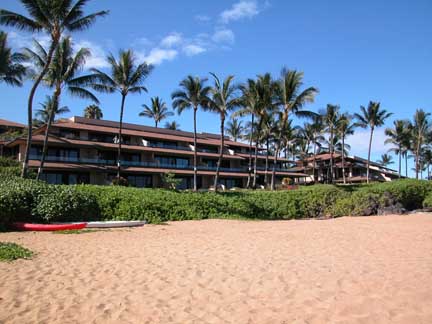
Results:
<point x="148" y="164"/>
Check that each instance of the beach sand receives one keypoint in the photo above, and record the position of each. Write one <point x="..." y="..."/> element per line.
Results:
<point x="345" y="270"/>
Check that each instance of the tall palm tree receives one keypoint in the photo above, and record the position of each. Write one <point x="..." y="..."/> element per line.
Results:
<point x="397" y="136"/>
<point x="158" y="110"/>
<point x="61" y="75"/>
<point x="193" y="94"/>
<point x="292" y="98"/>
<point x="52" y="17"/>
<point x="172" y="125"/>
<point x="373" y="116"/>
<point x="427" y="159"/>
<point x="316" y="130"/>
<point x="224" y="99"/>
<point x="249" y="107"/>
<point x="126" y="77"/>
<point x="266" y="106"/>
<point x="268" y="130"/>
<point x="330" y="117"/>
<point x="344" y="128"/>
<point x="93" y="112"/>
<point x="12" y="71"/>
<point x="45" y="114"/>
<point x="385" y="159"/>
<point x="420" y="133"/>
<point x="235" y="129"/>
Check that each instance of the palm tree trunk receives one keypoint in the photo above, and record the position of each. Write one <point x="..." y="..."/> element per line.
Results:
<point x="216" y="179"/>
<point x="48" y="127"/>
<point x="195" y="186"/>
<point x="417" y="159"/>
<point x="400" y="161"/>
<point x="343" y="159"/>
<point x="273" y="177"/>
<point x="313" y="163"/>
<point x="250" y="154"/>
<point x="120" y="137"/>
<point x="156" y="124"/>
<point x="38" y="80"/>
<point x="369" y="153"/>
<point x="406" y="165"/>
<point x="255" y="165"/>
<point x="330" y="178"/>
<point x="266" y="163"/>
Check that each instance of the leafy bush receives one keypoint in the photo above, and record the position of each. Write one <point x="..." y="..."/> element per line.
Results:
<point x="30" y="200"/>
<point x="8" y="162"/>
<point x="427" y="203"/>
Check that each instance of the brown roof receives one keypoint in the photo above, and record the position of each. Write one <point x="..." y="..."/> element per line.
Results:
<point x="57" y="140"/>
<point x="145" y="131"/>
<point x="8" y="123"/>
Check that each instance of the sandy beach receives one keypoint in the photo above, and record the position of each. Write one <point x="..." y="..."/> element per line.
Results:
<point x="345" y="270"/>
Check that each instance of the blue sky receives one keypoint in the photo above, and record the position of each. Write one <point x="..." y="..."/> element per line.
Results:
<point x="352" y="51"/>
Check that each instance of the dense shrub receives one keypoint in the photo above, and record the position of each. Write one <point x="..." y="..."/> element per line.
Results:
<point x="35" y="201"/>
<point x="427" y="203"/>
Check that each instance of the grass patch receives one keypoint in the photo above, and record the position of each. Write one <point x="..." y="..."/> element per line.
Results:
<point x="12" y="251"/>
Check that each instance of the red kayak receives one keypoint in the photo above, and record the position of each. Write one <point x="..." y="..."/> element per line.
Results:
<point x="48" y="227"/>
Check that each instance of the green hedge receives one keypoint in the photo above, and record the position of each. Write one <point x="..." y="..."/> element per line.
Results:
<point x="30" y="200"/>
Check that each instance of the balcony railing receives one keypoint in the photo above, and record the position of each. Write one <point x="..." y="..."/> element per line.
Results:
<point x="147" y="164"/>
<point x="168" y="146"/>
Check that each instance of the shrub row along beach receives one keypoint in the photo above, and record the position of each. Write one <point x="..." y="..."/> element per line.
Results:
<point x="35" y="201"/>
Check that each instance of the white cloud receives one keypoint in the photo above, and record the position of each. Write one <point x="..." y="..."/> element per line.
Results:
<point x="224" y="36"/>
<point x="193" y="49"/>
<point x="202" y="18"/>
<point x="360" y="142"/>
<point x="171" y="40"/>
<point x="98" y="54"/>
<point x="240" y="10"/>
<point x="157" y="55"/>
<point x="20" y="41"/>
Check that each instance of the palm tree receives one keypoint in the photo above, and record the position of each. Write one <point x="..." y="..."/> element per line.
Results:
<point x="397" y="136"/>
<point x="266" y="106"/>
<point x="291" y="98"/>
<point x="344" y="128"/>
<point x="235" y="129"/>
<point x="127" y="76"/>
<point x="249" y="106"/>
<point x="372" y="116"/>
<point x="61" y="74"/>
<point x="158" y="110"/>
<point x="330" y="117"/>
<point x="427" y="159"/>
<point x="93" y="112"/>
<point x="194" y="93"/>
<point x="314" y="132"/>
<point x="46" y="113"/>
<point x="172" y="125"/>
<point x="224" y="99"/>
<point x="420" y="132"/>
<point x="52" y="17"/>
<point x="268" y="130"/>
<point x="11" y="69"/>
<point x="385" y="160"/>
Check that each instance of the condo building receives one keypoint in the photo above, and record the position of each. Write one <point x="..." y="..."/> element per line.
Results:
<point x="82" y="150"/>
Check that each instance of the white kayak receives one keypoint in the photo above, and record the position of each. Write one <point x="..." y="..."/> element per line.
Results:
<point x="115" y="224"/>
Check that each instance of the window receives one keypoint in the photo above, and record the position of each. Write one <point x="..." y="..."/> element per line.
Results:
<point x="140" y="181"/>
<point x="167" y="161"/>
<point x="231" y="183"/>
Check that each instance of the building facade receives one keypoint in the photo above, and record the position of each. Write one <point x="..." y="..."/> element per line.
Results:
<point x="82" y="150"/>
<point x="355" y="169"/>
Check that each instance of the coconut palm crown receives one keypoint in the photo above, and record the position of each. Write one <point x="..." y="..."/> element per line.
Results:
<point x="193" y="93"/>
<point x="12" y="71"/>
<point x="127" y="76"/>
<point x="373" y="116"/>
<point x="52" y="17"/>
<point x="158" y="110"/>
